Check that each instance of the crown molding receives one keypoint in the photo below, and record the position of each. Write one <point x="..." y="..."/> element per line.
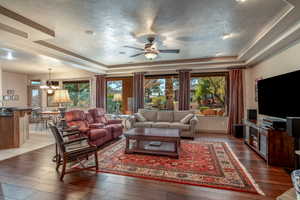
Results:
<point x="284" y="12"/>
<point x="177" y="62"/>
<point x="274" y="35"/>
<point x="65" y="51"/>
<point x="26" y="21"/>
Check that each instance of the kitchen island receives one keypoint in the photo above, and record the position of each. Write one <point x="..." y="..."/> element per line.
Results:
<point x="14" y="126"/>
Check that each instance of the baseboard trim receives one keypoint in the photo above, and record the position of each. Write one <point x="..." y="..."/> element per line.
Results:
<point x="211" y="131"/>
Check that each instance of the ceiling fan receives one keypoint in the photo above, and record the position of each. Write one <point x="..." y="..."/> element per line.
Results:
<point x="150" y="51"/>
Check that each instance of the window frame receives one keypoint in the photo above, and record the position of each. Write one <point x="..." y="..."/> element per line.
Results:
<point x="127" y="92"/>
<point x="214" y="74"/>
<point x="80" y="81"/>
<point x="162" y="76"/>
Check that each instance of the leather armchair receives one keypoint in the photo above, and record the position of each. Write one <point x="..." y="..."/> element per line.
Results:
<point x="97" y="134"/>
<point x="98" y="114"/>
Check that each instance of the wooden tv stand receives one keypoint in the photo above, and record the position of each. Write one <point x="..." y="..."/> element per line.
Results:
<point x="274" y="146"/>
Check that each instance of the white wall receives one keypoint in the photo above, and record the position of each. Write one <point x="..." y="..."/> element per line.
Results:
<point x="284" y="62"/>
<point x="18" y="83"/>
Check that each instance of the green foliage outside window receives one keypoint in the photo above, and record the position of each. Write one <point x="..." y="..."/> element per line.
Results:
<point x="112" y="88"/>
<point x="209" y="93"/>
<point x="79" y="92"/>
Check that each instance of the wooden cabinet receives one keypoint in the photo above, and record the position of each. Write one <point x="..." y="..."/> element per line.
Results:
<point x="14" y="129"/>
<point x="274" y="146"/>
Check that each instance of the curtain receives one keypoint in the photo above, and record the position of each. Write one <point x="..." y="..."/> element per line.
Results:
<point x="100" y="91"/>
<point x="236" y="101"/>
<point x="184" y="89"/>
<point x="138" y="91"/>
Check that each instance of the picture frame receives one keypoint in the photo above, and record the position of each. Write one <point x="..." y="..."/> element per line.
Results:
<point x="11" y="92"/>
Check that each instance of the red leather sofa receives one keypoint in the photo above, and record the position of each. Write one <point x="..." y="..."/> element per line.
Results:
<point x="97" y="133"/>
<point x="98" y="115"/>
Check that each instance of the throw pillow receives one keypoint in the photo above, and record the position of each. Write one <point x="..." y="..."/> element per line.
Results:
<point x="139" y="117"/>
<point x="187" y="119"/>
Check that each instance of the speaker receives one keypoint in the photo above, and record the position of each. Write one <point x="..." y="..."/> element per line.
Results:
<point x="251" y="114"/>
<point x="293" y="126"/>
<point x="238" y="130"/>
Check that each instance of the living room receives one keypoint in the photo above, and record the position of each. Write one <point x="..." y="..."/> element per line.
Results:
<point x="169" y="104"/>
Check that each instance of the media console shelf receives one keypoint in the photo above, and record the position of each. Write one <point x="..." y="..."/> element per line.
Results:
<point x="274" y="146"/>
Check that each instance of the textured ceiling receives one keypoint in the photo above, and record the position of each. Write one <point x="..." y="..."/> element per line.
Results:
<point x="194" y="26"/>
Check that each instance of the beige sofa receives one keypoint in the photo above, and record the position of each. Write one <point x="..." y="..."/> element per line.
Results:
<point x="166" y="119"/>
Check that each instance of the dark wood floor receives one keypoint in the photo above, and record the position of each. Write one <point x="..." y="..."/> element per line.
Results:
<point x="32" y="176"/>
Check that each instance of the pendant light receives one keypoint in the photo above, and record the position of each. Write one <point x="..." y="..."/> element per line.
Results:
<point x="48" y="86"/>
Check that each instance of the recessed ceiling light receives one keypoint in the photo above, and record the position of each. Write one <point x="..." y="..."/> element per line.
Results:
<point x="240" y="1"/>
<point x="228" y="36"/>
<point x="90" y="32"/>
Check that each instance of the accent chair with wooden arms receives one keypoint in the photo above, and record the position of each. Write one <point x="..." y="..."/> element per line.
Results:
<point x="73" y="150"/>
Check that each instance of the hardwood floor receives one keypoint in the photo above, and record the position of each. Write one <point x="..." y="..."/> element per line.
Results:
<point x="32" y="176"/>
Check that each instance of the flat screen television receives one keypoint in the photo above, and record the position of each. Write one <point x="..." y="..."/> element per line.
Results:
<point x="279" y="96"/>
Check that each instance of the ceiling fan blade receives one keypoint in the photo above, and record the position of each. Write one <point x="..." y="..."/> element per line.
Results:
<point x="169" y="51"/>
<point x="136" y="48"/>
<point x="138" y="54"/>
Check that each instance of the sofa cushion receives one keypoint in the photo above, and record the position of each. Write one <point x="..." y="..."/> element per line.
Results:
<point x="74" y="115"/>
<point x="179" y="115"/>
<point x="89" y="118"/>
<point x="150" y="115"/>
<point x="187" y="119"/>
<point x="143" y="124"/>
<point x="97" y="133"/>
<point x="165" y="116"/>
<point x="139" y="117"/>
<point x="96" y="125"/>
<point x="161" y="125"/>
<point x="180" y="126"/>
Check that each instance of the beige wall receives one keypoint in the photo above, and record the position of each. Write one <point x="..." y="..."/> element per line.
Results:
<point x="18" y="83"/>
<point x="284" y="62"/>
<point x="0" y="83"/>
<point x="212" y="124"/>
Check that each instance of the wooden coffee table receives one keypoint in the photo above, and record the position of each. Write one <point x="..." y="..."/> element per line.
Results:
<point x="155" y="141"/>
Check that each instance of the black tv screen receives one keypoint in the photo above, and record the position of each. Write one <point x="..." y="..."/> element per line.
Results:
<point x="279" y="96"/>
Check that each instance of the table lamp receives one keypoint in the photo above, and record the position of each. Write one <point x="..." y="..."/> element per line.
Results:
<point x="117" y="98"/>
<point x="61" y="97"/>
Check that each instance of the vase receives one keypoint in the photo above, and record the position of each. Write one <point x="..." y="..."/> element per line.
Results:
<point x="296" y="182"/>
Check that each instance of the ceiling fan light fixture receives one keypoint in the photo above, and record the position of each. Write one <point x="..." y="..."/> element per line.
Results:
<point x="150" y="55"/>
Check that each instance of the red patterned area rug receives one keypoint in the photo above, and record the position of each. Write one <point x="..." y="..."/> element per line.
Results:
<point x="209" y="164"/>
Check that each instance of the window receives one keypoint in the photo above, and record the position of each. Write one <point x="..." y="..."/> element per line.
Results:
<point x="161" y="92"/>
<point x="79" y="92"/>
<point x="35" y="82"/>
<point x="119" y="93"/>
<point x="208" y="94"/>
<point x="114" y="101"/>
<point x="35" y="96"/>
